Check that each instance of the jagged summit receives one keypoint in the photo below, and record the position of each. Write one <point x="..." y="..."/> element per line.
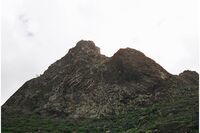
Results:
<point x="83" y="44"/>
<point x="84" y="52"/>
<point x="85" y="47"/>
<point x="87" y="85"/>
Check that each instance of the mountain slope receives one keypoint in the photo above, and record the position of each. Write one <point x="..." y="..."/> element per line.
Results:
<point x="91" y="90"/>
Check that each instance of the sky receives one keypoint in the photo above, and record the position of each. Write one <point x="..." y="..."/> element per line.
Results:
<point x="36" y="33"/>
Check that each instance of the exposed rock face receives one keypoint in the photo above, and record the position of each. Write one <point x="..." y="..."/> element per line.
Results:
<point x="133" y="65"/>
<point x="86" y="84"/>
<point x="190" y="77"/>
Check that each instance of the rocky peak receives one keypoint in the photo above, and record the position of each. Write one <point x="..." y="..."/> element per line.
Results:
<point x="188" y="72"/>
<point x="130" y="56"/>
<point x="128" y="52"/>
<point x="135" y="65"/>
<point x="84" y="51"/>
<point x="190" y="77"/>
<point x="85" y="47"/>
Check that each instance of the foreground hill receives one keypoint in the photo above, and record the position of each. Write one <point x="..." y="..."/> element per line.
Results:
<point x="88" y="92"/>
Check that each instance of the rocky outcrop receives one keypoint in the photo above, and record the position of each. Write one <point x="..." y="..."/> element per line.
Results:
<point x="86" y="84"/>
<point x="190" y="77"/>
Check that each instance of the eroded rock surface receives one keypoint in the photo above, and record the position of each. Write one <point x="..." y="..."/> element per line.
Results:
<point x="86" y="84"/>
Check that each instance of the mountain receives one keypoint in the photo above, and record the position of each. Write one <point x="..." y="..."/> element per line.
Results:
<point x="88" y="92"/>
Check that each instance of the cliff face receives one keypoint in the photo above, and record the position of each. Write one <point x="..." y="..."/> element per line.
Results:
<point x="86" y="84"/>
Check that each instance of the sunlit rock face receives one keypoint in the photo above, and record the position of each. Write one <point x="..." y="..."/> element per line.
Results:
<point x="86" y="84"/>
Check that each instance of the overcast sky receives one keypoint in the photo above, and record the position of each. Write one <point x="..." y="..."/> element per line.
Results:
<point x="36" y="33"/>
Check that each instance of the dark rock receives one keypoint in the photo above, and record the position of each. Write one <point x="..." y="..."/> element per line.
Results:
<point x="190" y="77"/>
<point x="86" y="84"/>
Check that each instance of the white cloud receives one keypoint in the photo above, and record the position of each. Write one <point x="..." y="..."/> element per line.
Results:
<point x="35" y="33"/>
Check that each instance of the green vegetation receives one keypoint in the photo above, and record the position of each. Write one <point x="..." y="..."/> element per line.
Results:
<point x="178" y="113"/>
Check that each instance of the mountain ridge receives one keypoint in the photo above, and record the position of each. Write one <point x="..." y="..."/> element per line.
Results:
<point x="87" y="85"/>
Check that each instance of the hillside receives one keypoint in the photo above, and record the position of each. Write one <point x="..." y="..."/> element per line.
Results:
<point x="88" y="92"/>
